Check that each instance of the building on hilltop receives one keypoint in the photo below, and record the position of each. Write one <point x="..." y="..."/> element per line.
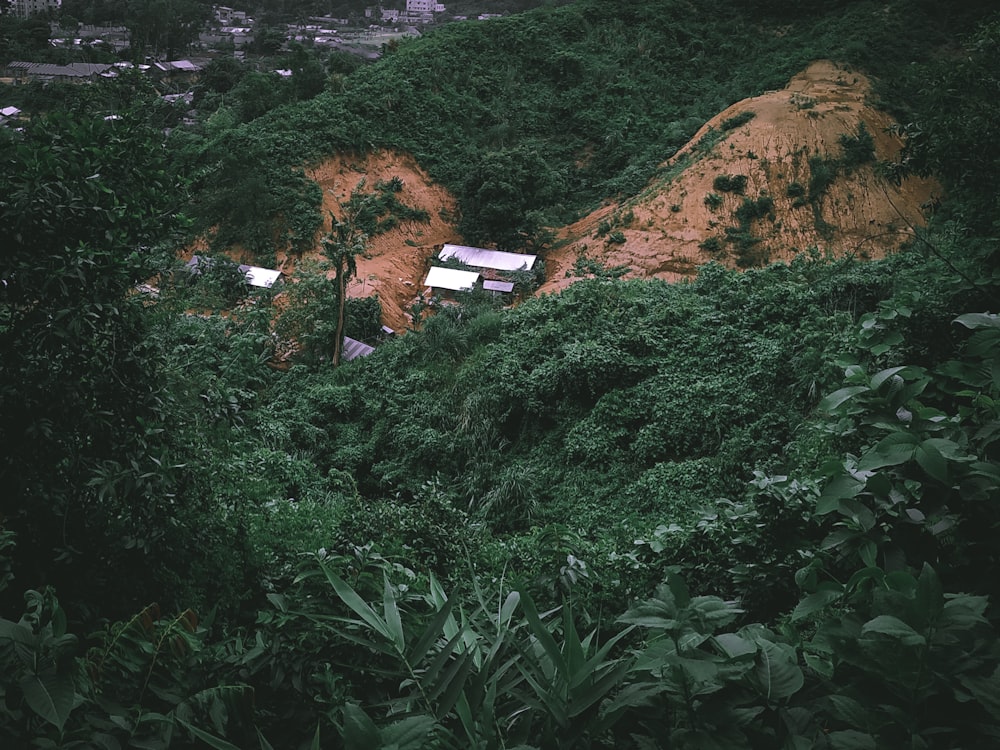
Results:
<point x="421" y="11"/>
<point x="26" y="8"/>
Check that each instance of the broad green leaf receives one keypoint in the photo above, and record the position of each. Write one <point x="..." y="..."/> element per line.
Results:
<point x="434" y="630"/>
<point x="931" y="461"/>
<point x="209" y="739"/>
<point x="986" y="690"/>
<point x="352" y="599"/>
<point x="735" y="646"/>
<point x="978" y="320"/>
<point x="393" y="622"/>
<point x="868" y="552"/>
<point x="821" y="665"/>
<point x="893" y="450"/>
<point x="835" y="399"/>
<point x="848" y="711"/>
<point x="777" y="674"/>
<point x="713" y="611"/>
<point x="883" y="375"/>
<point x="583" y="699"/>
<point x="542" y="634"/>
<point x="50" y="695"/>
<point x="894" y="628"/>
<point x="815" y="602"/>
<point x="572" y="649"/>
<point x="453" y="681"/>
<point x="930" y="594"/>
<point x="849" y="739"/>
<point x="429" y="678"/>
<point x="697" y="670"/>
<point x="264" y="744"/>
<point x="360" y="732"/>
<point x="408" y="734"/>
<point x="865" y="574"/>
<point x="508" y="607"/>
<point x="839" y="488"/>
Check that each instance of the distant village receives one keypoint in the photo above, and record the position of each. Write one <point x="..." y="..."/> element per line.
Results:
<point x="227" y="32"/>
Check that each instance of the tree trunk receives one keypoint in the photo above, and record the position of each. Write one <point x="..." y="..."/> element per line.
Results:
<point x="338" y="344"/>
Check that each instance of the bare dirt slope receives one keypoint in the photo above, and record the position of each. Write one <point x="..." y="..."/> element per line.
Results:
<point x="396" y="262"/>
<point x="662" y="232"/>
<point x="658" y="233"/>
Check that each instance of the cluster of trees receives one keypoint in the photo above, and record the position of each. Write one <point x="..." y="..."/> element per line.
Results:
<point x="756" y="510"/>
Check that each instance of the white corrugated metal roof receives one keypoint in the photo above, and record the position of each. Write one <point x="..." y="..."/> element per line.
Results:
<point x="496" y="259"/>
<point x="450" y="278"/>
<point x="262" y="277"/>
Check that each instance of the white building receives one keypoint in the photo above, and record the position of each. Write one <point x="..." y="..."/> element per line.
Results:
<point x="25" y="8"/>
<point x="421" y="11"/>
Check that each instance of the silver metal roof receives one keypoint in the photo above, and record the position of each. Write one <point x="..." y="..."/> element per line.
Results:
<point x="354" y="349"/>
<point x="481" y="258"/>
<point x="498" y="286"/>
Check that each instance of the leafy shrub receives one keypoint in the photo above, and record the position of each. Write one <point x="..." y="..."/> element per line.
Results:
<point x="797" y="193"/>
<point x="858" y="149"/>
<point x="378" y="212"/>
<point x="748" y="252"/>
<point x="713" y="201"/>
<point x="822" y="173"/>
<point x="752" y="209"/>
<point x="731" y="123"/>
<point x="730" y="183"/>
<point x="712" y="244"/>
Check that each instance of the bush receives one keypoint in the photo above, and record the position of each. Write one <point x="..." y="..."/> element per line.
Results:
<point x="730" y="183"/>
<point x="822" y="173"/>
<point x="712" y="245"/>
<point x="751" y="210"/>
<point x="858" y="149"/>
<point x="731" y="123"/>
<point x="713" y="201"/>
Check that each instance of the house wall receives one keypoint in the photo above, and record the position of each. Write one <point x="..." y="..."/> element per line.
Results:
<point x="25" y="8"/>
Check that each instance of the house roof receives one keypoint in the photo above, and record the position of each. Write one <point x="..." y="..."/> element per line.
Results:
<point x="73" y="70"/>
<point x="354" y="349"/>
<point x="496" y="259"/>
<point x="261" y="277"/>
<point x="498" y="286"/>
<point x="450" y="278"/>
<point x="9" y="112"/>
<point x="183" y="66"/>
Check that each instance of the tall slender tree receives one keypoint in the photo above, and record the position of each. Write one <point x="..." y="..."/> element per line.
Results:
<point x="342" y="244"/>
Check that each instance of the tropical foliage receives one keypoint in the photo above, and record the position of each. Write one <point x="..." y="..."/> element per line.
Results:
<point x="751" y="511"/>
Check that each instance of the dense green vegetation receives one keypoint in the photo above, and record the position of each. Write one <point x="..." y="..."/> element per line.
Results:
<point x="756" y="510"/>
<point x="569" y="105"/>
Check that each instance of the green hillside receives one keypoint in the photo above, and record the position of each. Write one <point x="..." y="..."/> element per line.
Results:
<point x="756" y="510"/>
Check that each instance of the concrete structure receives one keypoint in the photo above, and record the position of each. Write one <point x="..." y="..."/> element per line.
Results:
<point x="25" y="8"/>
<point x="421" y="11"/>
